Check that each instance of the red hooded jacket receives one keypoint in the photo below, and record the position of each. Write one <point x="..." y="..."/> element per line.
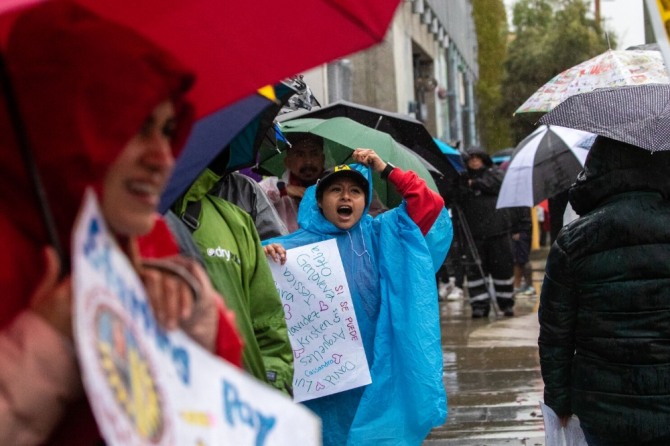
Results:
<point x="84" y="88"/>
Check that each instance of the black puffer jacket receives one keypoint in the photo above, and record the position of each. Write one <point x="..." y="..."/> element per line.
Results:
<point x="480" y="197"/>
<point x="605" y="302"/>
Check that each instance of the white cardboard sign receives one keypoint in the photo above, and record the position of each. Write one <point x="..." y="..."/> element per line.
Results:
<point x="151" y="387"/>
<point x="327" y="347"/>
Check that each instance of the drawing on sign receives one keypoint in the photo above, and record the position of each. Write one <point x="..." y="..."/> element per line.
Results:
<point x="323" y="330"/>
<point x="129" y="374"/>
<point x="150" y="387"/>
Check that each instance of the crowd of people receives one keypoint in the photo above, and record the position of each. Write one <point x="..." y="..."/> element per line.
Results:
<point x="490" y="252"/>
<point x="202" y="264"/>
<point x="97" y="106"/>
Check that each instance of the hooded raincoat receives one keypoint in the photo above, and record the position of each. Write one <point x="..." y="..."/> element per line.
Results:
<point x="389" y="262"/>
<point x="84" y="88"/>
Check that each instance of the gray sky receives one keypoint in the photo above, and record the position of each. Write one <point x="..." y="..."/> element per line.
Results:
<point x="624" y="17"/>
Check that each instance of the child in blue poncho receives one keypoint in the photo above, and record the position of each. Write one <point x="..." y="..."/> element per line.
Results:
<point x="390" y="263"/>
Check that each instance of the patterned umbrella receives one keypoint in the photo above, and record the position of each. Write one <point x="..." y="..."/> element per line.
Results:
<point x="545" y="163"/>
<point x="637" y="115"/>
<point x="610" y="69"/>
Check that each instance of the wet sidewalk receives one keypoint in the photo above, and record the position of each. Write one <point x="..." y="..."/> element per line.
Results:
<point x="492" y="374"/>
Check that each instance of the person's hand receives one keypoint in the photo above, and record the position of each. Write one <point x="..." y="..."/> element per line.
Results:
<point x="369" y="158"/>
<point x="276" y="252"/>
<point x="564" y="420"/>
<point x="182" y="295"/>
<point x="52" y="300"/>
<point x="294" y="191"/>
<point x="516" y="237"/>
<point x="203" y="324"/>
<point x="173" y="285"/>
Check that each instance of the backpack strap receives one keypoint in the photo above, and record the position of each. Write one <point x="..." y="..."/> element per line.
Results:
<point x="191" y="217"/>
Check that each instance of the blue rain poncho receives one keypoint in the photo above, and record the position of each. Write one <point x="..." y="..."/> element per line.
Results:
<point x="390" y="266"/>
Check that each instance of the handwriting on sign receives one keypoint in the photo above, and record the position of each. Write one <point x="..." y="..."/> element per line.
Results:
<point x="352" y="329"/>
<point x="339" y="372"/>
<point x="321" y="321"/>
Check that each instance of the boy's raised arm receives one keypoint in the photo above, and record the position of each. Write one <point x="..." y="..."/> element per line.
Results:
<point x="423" y="204"/>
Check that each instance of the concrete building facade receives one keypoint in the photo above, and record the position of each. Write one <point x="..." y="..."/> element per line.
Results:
<point x="426" y="67"/>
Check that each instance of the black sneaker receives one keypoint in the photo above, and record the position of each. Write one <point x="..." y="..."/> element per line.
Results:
<point x="509" y="312"/>
<point x="479" y="312"/>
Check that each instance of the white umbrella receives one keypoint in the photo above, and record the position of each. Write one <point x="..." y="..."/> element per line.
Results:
<point x="545" y="163"/>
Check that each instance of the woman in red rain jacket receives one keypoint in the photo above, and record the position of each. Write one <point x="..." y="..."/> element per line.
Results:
<point x="101" y="107"/>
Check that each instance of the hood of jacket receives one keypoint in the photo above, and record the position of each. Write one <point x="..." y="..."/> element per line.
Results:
<point x="84" y="87"/>
<point x="310" y="216"/>
<point x="477" y="151"/>
<point x="197" y="191"/>
<point x="614" y="167"/>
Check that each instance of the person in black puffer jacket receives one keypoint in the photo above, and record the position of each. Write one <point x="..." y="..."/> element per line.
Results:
<point x="605" y="304"/>
<point x="490" y="228"/>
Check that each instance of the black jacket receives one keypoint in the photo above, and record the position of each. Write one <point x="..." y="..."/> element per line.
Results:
<point x="520" y="220"/>
<point x="605" y="303"/>
<point x="480" y="197"/>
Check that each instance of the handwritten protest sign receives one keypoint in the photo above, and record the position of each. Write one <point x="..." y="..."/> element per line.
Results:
<point x="327" y="347"/>
<point x="151" y="387"/>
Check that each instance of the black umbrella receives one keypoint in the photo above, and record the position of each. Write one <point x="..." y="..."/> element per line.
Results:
<point x="404" y="129"/>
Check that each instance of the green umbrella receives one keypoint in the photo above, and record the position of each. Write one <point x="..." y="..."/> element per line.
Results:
<point x="341" y="137"/>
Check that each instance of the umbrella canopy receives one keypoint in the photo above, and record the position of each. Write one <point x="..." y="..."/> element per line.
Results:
<point x="637" y="115"/>
<point x="404" y="129"/>
<point x="452" y="154"/>
<point x="240" y="127"/>
<point x="503" y="155"/>
<point x="341" y="137"/>
<point x="545" y="163"/>
<point x="610" y="69"/>
<point x="219" y="40"/>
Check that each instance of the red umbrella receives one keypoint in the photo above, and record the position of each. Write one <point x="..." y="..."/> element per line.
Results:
<point x="236" y="47"/>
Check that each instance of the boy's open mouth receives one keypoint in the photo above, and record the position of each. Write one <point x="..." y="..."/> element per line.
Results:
<point x="345" y="210"/>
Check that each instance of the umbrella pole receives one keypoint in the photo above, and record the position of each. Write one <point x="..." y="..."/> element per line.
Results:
<point x="29" y="161"/>
<point x="474" y="254"/>
<point x="379" y="121"/>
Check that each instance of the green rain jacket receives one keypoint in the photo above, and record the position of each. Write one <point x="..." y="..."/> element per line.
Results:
<point x="237" y="266"/>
